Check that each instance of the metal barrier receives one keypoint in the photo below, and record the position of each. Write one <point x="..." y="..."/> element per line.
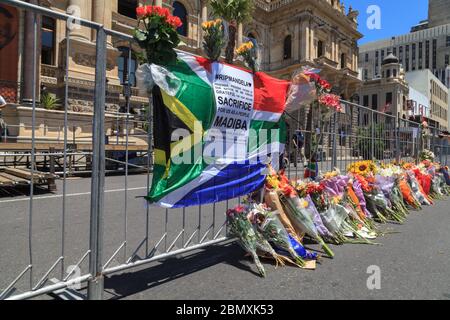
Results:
<point x="356" y="133"/>
<point x="121" y="232"/>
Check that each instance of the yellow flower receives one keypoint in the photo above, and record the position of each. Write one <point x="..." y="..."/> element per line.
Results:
<point x="304" y="204"/>
<point x="363" y="168"/>
<point x="208" y="24"/>
<point x="244" y="48"/>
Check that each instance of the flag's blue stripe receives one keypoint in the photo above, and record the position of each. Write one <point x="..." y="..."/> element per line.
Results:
<point x="233" y="181"/>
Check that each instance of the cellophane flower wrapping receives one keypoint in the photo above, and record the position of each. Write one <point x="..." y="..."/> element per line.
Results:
<point x="302" y="91"/>
<point x="415" y="187"/>
<point x="334" y="218"/>
<point x="362" y="200"/>
<point x="311" y="209"/>
<point x="273" y="230"/>
<point x="241" y="228"/>
<point x="301" y="219"/>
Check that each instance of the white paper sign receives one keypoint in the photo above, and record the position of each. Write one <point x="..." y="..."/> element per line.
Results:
<point x="226" y="141"/>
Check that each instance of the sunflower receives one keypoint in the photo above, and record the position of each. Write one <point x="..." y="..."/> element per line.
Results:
<point x="363" y="168"/>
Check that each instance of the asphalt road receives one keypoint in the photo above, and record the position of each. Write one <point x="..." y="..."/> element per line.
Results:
<point x="414" y="263"/>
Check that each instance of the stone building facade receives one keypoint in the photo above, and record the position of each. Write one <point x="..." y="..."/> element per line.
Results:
<point x="290" y="34"/>
<point x="389" y="93"/>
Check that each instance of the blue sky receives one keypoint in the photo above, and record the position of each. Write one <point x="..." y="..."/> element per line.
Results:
<point x="397" y="16"/>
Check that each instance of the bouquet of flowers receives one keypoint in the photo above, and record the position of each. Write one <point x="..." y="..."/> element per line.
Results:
<point x="427" y="155"/>
<point x="417" y="188"/>
<point x="301" y="219"/>
<point x="302" y="91"/>
<point x="307" y="191"/>
<point x="407" y="193"/>
<point x="213" y="38"/>
<point x="247" y="51"/>
<point x="241" y="228"/>
<point x="269" y="225"/>
<point x="159" y="37"/>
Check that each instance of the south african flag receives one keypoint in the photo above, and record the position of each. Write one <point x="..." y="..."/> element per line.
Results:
<point x="216" y="128"/>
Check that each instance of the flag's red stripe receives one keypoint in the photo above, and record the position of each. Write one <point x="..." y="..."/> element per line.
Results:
<point x="270" y="93"/>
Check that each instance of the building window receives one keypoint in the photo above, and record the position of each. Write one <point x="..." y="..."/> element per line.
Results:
<point x="127" y="8"/>
<point x="400" y="51"/>
<point x="407" y="58"/>
<point x="394" y="72"/>
<point x="365" y="101"/>
<point x="382" y="55"/>
<point x="394" y="51"/>
<point x="125" y="64"/>
<point x="179" y="10"/>
<point x="366" y="74"/>
<point x="420" y="55"/>
<point x="447" y="41"/>
<point x="343" y="64"/>
<point x="388" y="73"/>
<point x="376" y="62"/>
<point x="48" y="41"/>
<point x="374" y="102"/>
<point x="287" y="48"/>
<point x="367" y="57"/>
<point x="319" y="48"/>
<point x="388" y="98"/>
<point x="447" y="60"/>
<point x="434" y="53"/>
<point x="413" y="67"/>
<point x="427" y="54"/>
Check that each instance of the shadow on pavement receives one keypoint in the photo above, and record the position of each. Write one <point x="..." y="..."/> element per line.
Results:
<point x="133" y="282"/>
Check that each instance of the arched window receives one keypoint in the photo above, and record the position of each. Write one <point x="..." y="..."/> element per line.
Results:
<point x="319" y="48"/>
<point x="127" y="8"/>
<point x="395" y="73"/>
<point x="48" y="41"/>
<point x="388" y="74"/>
<point x="127" y="66"/>
<point x="180" y="11"/>
<point x="287" y="48"/>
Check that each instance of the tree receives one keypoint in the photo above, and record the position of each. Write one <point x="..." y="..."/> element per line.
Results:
<point x="234" y="12"/>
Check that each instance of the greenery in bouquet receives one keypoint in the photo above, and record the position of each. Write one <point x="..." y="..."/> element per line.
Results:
<point x="241" y="228"/>
<point x="213" y="38"/>
<point x="159" y="36"/>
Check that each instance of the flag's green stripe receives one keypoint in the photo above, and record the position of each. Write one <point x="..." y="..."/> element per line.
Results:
<point x="260" y="133"/>
<point x="179" y="174"/>
<point x="195" y="93"/>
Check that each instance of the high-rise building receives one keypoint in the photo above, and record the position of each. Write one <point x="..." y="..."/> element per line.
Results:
<point x="438" y="13"/>
<point x="427" y="46"/>
<point x="436" y="92"/>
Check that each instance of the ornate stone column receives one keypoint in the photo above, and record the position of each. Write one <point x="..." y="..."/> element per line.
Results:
<point x="102" y="13"/>
<point x="304" y="38"/>
<point x="83" y="7"/>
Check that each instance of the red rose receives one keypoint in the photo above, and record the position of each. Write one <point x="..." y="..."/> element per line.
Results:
<point x="175" y="21"/>
<point x="140" y="12"/>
